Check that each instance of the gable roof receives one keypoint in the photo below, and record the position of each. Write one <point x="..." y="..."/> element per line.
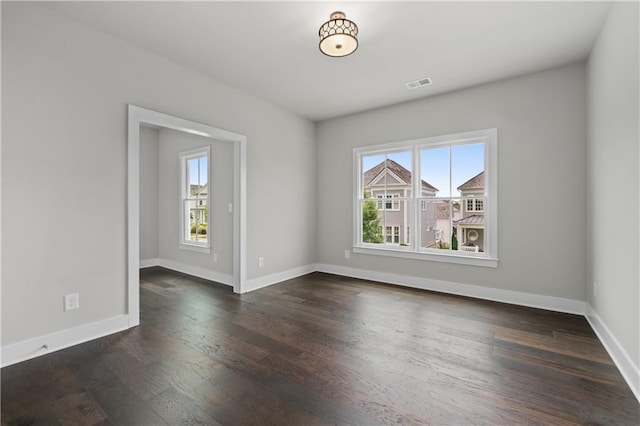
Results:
<point x="476" y="182"/>
<point x="404" y="174"/>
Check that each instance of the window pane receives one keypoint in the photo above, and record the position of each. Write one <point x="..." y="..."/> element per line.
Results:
<point x="196" y="223"/>
<point x="437" y="222"/>
<point x="371" y="223"/>
<point x="192" y="177"/>
<point x="202" y="163"/>
<point x="396" y="221"/>
<point x="387" y="173"/>
<point x="372" y="176"/>
<point x="467" y="167"/>
<point x="399" y="167"/>
<point x="434" y="163"/>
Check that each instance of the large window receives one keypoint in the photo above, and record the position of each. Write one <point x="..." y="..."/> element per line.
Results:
<point x="194" y="199"/>
<point x="444" y="187"/>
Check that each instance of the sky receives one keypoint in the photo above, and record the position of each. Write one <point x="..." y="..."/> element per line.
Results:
<point x="193" y="171"/>
<point x="461" y="162"/>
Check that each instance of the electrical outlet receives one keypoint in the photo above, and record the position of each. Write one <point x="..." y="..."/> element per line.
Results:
<point x="347" y="254"/>
<point x="215" y="257"/>
<point x="260" y="262"/>
<point x="230" y="207"/>
<point x="71" y="301"/>
<point x="595" y="288"/>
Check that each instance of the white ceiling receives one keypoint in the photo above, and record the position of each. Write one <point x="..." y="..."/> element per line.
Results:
<point x="270" y="49"/>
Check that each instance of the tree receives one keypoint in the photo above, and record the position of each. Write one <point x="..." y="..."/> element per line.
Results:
<point x="371" y="228"/>
<point x="454" y="239"/>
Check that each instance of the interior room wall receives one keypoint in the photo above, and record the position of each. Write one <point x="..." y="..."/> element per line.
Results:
<point x="65" y="90"/>
<point x="541" y="122"/>
<point x="149" y="152"/>
<point x="613" y="182"/>
<point x="221" y="186"/>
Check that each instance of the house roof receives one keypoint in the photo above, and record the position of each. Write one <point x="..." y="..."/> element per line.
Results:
<point x="475" y="219"/>
<point x="194" y="189"/>
<point x="476" y="182"/>
<point x="404" y="174"/>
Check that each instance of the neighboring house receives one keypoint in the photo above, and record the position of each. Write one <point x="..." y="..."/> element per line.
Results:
<point x="471" y="226"/>
<point x="389" y="182"/>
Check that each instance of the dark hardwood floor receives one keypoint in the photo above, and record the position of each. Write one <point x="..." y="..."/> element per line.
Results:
<point x="324" y="349"/>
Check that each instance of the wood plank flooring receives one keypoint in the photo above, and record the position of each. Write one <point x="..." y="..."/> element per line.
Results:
<point x="323" y="349"/>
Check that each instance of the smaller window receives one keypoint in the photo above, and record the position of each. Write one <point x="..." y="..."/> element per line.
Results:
<point x="390" y="204"/>
<point x="475" y="205"/>
<point x="392" y="235"/>
<point x="469" y="205"/>
<point x="194" y="200"/>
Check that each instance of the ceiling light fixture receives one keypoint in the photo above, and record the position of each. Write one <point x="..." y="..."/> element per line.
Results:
<point x="338" y="36"/>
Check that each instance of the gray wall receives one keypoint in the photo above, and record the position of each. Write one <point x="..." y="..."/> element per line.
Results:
<point x="541" y="121"/>
<point x="149" y="192"/>
<point x="65" y="90"/>
<point x="613" y="164"/>
<point x="221" y="190"/>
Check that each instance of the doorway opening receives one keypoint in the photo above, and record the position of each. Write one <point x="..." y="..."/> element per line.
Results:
<point x="139" y="117"/>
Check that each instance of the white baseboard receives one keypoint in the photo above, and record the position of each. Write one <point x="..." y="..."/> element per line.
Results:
<point x="27" y="349"/>
<point x="621" y="358"/>
<point x="557" y="304"/>
<point x="149" y="263"/>
<point x="256" y="283"/>
<point x="196" y="271"/>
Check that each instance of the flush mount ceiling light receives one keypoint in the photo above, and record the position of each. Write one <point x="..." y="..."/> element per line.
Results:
<point x="338" y="36"/>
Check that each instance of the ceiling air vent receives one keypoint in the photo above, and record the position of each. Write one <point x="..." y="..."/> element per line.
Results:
<point x="418" y="83"/>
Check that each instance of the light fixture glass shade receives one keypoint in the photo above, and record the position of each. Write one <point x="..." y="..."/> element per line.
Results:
<point x="338" y="36"/>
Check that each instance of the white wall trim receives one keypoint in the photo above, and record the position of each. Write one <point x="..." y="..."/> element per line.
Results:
<point x="196" y="271"/>
<point x="149" y="263"/>
<point x="551" y="303"/>
<point x="267" y="280"/>
<point x="31" y="348"/>
<point x="621" y="358"/>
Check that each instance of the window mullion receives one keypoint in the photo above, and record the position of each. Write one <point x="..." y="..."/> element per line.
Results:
<point x="415" y="196"/>
<point x="450" y="208"/>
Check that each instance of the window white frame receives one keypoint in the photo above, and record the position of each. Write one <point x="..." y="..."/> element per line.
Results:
<point x="185" y="227"/>
<point x="488" y="258"/>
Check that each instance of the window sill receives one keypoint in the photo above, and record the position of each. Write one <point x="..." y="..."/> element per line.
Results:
<point x="195" y="248"/>
<point x="433" y="257"/>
